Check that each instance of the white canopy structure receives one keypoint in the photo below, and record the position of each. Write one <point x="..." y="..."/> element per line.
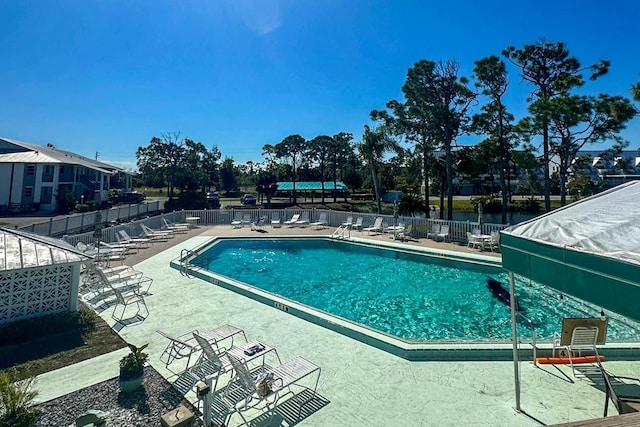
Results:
<point x="589" y="249"/>
<point x="38" y="275"/>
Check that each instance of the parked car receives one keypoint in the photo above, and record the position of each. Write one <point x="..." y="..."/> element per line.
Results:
<point x="248" y="199"/>
<point x="213" y="199"/>
<point x="132" y="197"/>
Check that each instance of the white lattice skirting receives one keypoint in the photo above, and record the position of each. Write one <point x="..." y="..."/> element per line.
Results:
<point x="35" y="292"/>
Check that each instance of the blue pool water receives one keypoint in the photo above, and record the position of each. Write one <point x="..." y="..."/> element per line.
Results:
<point x="410" y="296"/>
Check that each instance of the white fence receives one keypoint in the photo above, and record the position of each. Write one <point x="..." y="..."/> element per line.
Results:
<point x="420" y="226"/>
<point x="77" y="223"/>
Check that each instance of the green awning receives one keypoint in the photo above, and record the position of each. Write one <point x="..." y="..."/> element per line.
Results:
<point x="589" y="249"/>
<point x="311" y="185"/>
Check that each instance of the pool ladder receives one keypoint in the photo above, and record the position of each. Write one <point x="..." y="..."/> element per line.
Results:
<point x="340" y="232"/>
<point x="185" y="255"/>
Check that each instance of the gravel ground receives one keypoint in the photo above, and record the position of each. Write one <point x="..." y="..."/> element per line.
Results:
<point x="140" y="408"/>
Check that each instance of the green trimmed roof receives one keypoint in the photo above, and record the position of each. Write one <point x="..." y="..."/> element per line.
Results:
<point x="310" y="185"/>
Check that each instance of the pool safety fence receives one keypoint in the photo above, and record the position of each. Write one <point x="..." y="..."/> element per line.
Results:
<point x="82" y="222"/>
<point x="208" y="217"/>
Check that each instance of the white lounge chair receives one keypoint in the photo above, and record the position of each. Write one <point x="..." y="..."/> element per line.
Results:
<point x="121" y="279"/>
<point x="126" y="299"/>
<point x="185" y="345"/>
<point x="435" y="229"/>
<point x="444" y="233"/>
<point x="275" y="220"/>
<point x="262" y="389"/>
<point x="403" y="234"/>
<point x="155" y="234"/>
<point x="140" y="242"/>
<point x="237" y="221"/>
<point x="120" y="247"/>
<point x="321" y="222"/>
<point x="213" y="361"/>
<point x="348" y="222"/>
<point x="178" y="228"/>
<point x="303" y="221"/>
<point x="358" y="224"/>
<point x="259" y="224"/>
<point x="292" y="221"/>
<point x="376" y="227"/>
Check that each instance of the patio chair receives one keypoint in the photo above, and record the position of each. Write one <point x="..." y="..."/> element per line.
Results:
<point x="292" y="221"/>
<point x="119" y="246"/>
<point x="275" y="220"/>
<point x="626" y="402"/>
<point x="237" y="221"/>
<point x="155" y="234"/>
<point x="474" y="242"/>
<point x="348" y="222"/>
<point x="246" y="219"/>
<point x="251" y="390"/>
<point x="376" y="227"/>
<point x="494" y="241"/>
<point x="358" y="224"/>
<point x="259" y="224"/>
<point x="403" y="234"/>
<point x="177" y="228"/>
<point x="444" y="233"/>
<point x="126" y="299"/>
<point x="584" y="337"/>
<point x="140" y="242"/>
<point x="435" y="229"/>
<point x="185" y="345"/>
<point x="321" y="222"/>
<point x="124" y="280"/>
<point x="214" y="362"/>
<point x="303" y="221"/>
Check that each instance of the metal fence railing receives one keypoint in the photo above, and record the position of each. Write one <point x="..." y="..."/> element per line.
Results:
<point x="207" y="217"/>
<point x="78" y="223"/>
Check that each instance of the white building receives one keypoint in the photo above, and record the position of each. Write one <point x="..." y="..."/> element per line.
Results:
<point x="32" y="175"/>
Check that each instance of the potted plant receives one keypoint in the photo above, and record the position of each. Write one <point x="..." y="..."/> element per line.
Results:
<point x="132" y="368"/>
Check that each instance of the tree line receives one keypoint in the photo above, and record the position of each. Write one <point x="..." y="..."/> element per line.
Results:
<point x="412" y="142"/>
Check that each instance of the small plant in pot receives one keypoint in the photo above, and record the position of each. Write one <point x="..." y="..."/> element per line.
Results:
<point x="132" y="368"/>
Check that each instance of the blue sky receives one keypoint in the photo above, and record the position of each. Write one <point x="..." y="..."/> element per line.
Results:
<point x="106" y="76"/>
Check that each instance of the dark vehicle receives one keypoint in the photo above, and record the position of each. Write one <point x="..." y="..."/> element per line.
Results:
<point x="248" y="199"/>
<point x="132" y="197"/>
<point x="213" y="199"/>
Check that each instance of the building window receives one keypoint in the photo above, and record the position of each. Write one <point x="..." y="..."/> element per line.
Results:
<point x="61" y="170"/>
<point x="28" y="191"/>
<point x="31" y="169"/>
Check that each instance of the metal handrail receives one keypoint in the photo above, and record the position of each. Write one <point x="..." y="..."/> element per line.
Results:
<point x="184" y="261"/>
<point x="533" y="336"/>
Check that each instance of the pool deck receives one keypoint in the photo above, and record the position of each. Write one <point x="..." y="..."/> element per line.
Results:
<point x="359" y="384"/>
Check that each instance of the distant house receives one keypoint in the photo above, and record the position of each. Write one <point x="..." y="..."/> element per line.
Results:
<point x="32" y="175"/>
<point x="611" y="168"/>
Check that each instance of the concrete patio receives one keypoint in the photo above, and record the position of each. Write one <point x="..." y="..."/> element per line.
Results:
<point x="363" y="386"/>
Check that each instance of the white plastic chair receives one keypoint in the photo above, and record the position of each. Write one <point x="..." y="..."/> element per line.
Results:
<point x="376" y="227"/>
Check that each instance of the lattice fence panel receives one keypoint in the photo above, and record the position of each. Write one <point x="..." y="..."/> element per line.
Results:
<point x="34" y="292"/>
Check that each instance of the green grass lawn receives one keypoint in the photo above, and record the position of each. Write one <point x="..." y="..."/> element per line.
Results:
<point x="43" y="344"/>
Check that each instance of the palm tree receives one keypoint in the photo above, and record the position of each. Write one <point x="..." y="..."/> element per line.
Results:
<point x="375" y="144"/>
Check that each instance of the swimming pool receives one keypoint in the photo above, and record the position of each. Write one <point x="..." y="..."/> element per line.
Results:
<point x="411" y="296"/>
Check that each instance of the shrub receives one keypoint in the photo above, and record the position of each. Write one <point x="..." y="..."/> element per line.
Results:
<point x="16" y="401"/>
<point x="86" y="207"/>
<point x="65" y="201"/>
